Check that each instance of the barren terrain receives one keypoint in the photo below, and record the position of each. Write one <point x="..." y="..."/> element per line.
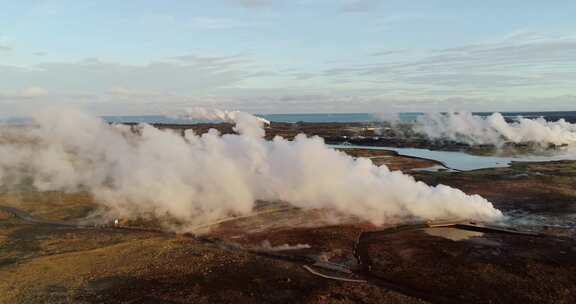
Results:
<point x="49" y="255"/>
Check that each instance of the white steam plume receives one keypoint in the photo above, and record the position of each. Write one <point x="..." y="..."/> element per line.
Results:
<point x="197" y="179"/>
<point x="266" y="245"/>
<point x="494" y="129"/>
<point x="245" y="123"/>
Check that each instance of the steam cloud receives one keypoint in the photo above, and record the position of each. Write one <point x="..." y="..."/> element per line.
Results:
<point x="245" y="123"/>
<point x="471" y="129"/>
<point x="197" y="179"/>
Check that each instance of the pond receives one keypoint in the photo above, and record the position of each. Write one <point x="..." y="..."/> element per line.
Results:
<point x="462" y="161"/>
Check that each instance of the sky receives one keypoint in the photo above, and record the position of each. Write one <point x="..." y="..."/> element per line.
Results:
<point x="288" y="56"/>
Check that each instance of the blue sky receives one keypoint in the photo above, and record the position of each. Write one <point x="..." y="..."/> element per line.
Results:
<point x="137" y="57"/>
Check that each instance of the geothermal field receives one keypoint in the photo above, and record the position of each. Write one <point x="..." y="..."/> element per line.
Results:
<point x="232" y="208"/>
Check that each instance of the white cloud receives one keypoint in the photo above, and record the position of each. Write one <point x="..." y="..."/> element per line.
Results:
<point x="390" y="52"/>
<point x="361" y="6"/>
<point x="198" y="23"/>
<point x="349" y="6"/>
<point x="529" y="61"/>
<point x="221" y="61"/>
<point x="34" y="92"/>
<point x="4" y="45"/>
<point x="213" y="23"/>
<point x="255" y="3"/>
<point x="48" y="7"/>
<point x="122" y="101"/>
<point x="522" y="69"/>
<point x="200" y="74"/>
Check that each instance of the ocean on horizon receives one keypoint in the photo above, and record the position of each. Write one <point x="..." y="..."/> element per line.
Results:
<point x="569" y="116"/>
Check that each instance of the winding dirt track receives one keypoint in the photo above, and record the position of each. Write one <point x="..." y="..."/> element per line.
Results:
<point x="25" y="216"/>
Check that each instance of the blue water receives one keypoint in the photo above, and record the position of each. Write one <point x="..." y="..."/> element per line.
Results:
<point x="148" y="119"/>
<point x="290" y="118"/>
<point x="570" y="116"/>
<point x="463" y="161"/>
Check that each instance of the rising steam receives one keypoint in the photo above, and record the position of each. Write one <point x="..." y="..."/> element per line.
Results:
<point x="197" y="179"/>
<point x="245" y="123"/>
<point x="494" y="129"/>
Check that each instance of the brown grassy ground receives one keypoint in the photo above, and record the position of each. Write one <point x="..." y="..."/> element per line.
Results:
<point x="50" y="205"/>
<point x="48" y="264"/>
<point x="44" y="264"/>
